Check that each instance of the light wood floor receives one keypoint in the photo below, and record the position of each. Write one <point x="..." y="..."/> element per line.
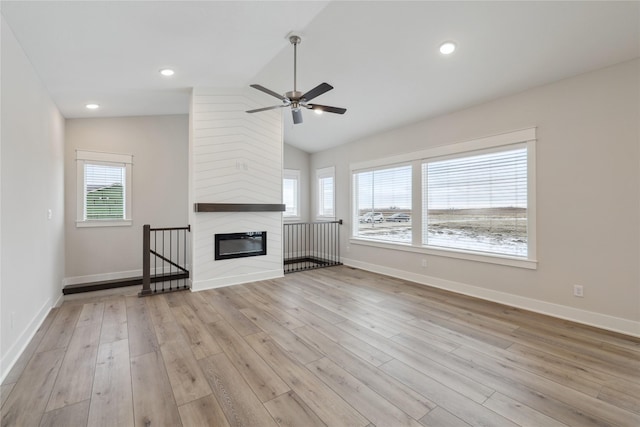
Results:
<point x="335" y="347"/>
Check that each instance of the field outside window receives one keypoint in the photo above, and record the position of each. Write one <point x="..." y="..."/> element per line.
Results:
<point x="383" y="204"/>
<point x="477" y="203"/>
<point x="471" y="200"/>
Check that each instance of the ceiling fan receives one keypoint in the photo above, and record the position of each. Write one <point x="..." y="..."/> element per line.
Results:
<point x="295" y="99"/>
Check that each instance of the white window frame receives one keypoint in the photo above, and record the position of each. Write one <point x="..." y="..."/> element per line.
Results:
<point x="355" y="202"/>
<point x="323" y="173"/>
<point x="524" y="136"/>
<point x="292" y="174"/>
<point x="110" y="159"/>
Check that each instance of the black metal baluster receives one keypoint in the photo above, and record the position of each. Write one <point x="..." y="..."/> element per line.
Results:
<point x="308" y="241"/>
<point x="337" y="247"/>
<point x="146" y="253"/>
<point x="170" y="257"/>
<point x="164" y="263"/>
<point x="155" y="260"/>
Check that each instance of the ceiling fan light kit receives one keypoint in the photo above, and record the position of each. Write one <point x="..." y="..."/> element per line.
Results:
<point x="295" y="98"/>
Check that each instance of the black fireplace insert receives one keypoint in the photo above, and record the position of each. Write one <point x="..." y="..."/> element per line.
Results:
<point x="240" y="245"/>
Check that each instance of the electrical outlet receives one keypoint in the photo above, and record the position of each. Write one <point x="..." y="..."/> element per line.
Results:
<point x="424" y="263"/>
<point x="578" y="291"/>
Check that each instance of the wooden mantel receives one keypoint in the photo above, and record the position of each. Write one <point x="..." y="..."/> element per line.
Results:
<point x="238" y="207"/>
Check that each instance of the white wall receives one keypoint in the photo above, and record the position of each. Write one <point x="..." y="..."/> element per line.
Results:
<point x="159" y="145"/>
<point x="588" y="186"/>
<point x="235" y="157"/>
<point x="297" y="159"/>
<point x="32" y="179"/>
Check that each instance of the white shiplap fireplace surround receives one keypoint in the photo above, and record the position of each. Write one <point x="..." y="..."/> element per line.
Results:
<point x="234" y="157"/>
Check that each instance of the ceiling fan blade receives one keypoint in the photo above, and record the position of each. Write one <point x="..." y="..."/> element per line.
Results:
<point x="317" y="91"/>
<point x="328" y="109"/>
<point x="257" y="110"/>
<point x="269" y="91"/>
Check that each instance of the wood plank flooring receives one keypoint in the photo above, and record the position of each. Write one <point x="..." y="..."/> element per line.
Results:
<point x="331" y="347"/>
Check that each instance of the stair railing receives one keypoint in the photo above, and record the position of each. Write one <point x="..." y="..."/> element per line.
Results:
<point x="166" y="249"/>
<point x="310" y="245"/>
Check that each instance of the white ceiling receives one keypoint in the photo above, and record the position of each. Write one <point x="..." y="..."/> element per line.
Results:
<point x="382" y="56"/>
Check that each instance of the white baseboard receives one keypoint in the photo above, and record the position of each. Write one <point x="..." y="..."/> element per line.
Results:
<point x="74" y="280"/>
<point x="221" y="282"/>
<point x="603" y="321"/>
<point x="13" y="354"/>
<point x="59" y="301"/>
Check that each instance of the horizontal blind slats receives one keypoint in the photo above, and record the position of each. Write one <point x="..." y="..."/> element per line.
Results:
<point x="477" y="203"/>
<point x="381" y="194"/>
<point x="104" y="191"/>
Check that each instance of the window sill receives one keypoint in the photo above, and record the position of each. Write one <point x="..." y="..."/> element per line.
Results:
<point x="458" y="254"/>
<point x="104" y="223"/>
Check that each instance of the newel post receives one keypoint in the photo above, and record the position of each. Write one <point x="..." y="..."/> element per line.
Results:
<point x="146" y="260"/>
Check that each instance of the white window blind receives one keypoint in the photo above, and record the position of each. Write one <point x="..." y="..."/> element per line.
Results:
<point x="383" y="204"/>
<point x="326" y="192"/>
<point x="104" y="191"/>
<point x="477" y="202"/>
<point x="291" y="193"/>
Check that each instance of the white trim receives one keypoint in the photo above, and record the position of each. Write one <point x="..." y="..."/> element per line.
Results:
<point x="532" y="245"/>
<point x="221" y="282"/>
<point x="321" y="173"/>
<point x="96" y="156"/>
<point x="74" y="280"/>
<point x="109" y="159"/>
<point x="15" y="351"/>
<point x="450" y="253"/>
<point x="292" y="174"/>
<point x="59" y="301"/>
<point x="521" y="138"/>
<point x="104" y="223"/>
<point x="602" y="321"/>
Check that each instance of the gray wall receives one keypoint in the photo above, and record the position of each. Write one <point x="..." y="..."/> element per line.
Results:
<point x="588" y="193"/>
<point x="159" y="145"/>
<point x="296" y="159"/>
<point x="32" y="175"/>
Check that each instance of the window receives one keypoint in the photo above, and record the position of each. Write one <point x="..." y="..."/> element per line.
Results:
<point x="472" y="200"/>
<point x="382" y="200"/>
<point x="291" y="193"/>
<point x="477" y="202"/>
<point x="326" y="193"/>
<point x="103" y="189"/>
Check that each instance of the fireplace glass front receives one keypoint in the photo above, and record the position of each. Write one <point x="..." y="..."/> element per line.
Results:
<point x="240" y="245"/>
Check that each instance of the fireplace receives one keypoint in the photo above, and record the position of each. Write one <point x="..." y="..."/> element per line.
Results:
<point x="240" y="245"/>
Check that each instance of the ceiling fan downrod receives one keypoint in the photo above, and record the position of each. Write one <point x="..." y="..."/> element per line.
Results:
<point x="295" y="96"/>
<point x="295" y="40"/>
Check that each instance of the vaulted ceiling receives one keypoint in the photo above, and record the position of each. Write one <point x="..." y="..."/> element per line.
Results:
<point x="381" y="56"/>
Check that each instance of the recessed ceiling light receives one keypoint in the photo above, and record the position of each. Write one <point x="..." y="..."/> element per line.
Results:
<point x="167" y="72"/>
<point x="447" y="48"/>
<point x="318" y="111"/>
<point x="92" y="106"/>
